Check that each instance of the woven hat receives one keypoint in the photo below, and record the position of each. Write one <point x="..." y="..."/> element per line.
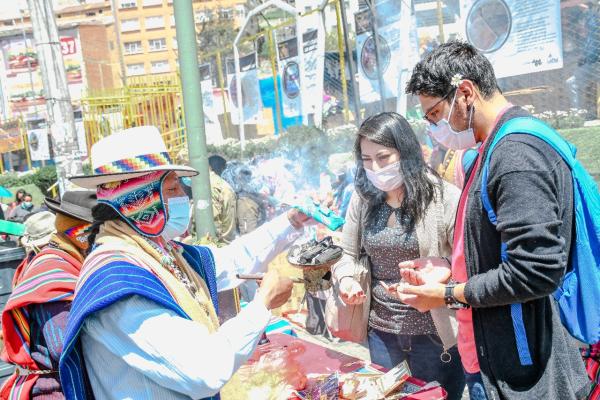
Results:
<point x="129" y="154"/>
<point x="39" y="228"/>
<point x="74" y="203"/>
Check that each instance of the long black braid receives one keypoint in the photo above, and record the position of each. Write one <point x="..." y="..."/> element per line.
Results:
<point x="102" y="213"/>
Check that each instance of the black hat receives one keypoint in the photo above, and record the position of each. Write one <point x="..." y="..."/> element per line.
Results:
<point x="75" y="203"/>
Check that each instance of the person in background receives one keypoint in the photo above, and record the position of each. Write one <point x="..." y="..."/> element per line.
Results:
<point x="517" y="264"/>
<point x="35" y="317"/>
<point x="400" y="210"/>
<point x="18" y="198"/>
<point x="217" y="164"/>
<point x="23" y="210"/>
<point x="251" y="204"/>
<point x="224" y="207"/>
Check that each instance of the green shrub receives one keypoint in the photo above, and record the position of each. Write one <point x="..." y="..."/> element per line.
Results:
<point x="43" y="178"/>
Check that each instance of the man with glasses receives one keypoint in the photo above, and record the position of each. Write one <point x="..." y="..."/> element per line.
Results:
<point x="531" y="190"/>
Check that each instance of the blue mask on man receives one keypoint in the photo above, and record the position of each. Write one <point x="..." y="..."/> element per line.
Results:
<point x="178" y="217"/>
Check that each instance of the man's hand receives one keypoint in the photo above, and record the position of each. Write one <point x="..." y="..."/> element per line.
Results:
<point x="425" y="270"/>
<point x="275" y="290"/>
<point x="422" y="297"/>
<point x="298" y="219"/>
<point x="351" y="292"/>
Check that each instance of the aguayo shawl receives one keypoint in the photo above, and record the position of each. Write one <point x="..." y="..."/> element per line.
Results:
<point x="122" y="265"/>
<point x="49" y="277"/>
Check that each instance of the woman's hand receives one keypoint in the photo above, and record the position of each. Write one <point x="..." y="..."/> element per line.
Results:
<point x="425" y="270"/>
<point x="424" y="297"/>
<point x="351" y="292"/>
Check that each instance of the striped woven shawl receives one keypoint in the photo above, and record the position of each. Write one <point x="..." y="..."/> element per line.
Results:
<point x="49" y="277"/>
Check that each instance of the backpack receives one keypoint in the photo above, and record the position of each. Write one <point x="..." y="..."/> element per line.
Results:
<point x="578" y="295"/>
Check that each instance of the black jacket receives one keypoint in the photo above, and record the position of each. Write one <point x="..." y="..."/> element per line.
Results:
<point x="531" y="190"/>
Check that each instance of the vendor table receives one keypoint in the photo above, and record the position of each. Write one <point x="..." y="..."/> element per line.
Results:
<point x="321" y="360"/>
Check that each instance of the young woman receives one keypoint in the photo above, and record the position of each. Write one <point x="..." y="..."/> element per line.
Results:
<point x="401" y="210"/>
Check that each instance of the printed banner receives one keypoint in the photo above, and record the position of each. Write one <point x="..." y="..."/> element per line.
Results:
<point x="289" y="70"/>
<point x="517" y="36"/>
<point x="389" y="33"/>
<point x="314" y="69"/>
<point x="251" y="104"/>
<point x="211" y="118"/>
<point x="39" y="146"/>
<point x="81" y="138"/>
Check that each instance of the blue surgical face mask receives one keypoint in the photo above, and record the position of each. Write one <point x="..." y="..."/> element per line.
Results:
<point x="178" y="219"/>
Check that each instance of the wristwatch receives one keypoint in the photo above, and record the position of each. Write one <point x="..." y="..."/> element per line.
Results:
<point x="450" y="300"/>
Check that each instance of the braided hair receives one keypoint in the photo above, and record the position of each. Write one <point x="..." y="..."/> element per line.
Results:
<point x="102" y="213"/>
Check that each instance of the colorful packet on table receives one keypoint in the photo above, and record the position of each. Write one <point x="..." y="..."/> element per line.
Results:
<point x="321" y="214"/>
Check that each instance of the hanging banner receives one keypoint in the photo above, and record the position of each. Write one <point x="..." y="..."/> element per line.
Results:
<point x="409" y="47"/>
<point x="211" y="118"/>
<point x="39" y="148"/>
<point x="289" y="70"/>
<point x="81" y="138"/>
<point x="389" y="32"/>
<point x="314" y="72"/>
<point x="250" y="90"/>
<point x="526" y="32"/>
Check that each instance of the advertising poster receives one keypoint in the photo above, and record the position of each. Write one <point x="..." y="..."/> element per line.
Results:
<point x="39" y="148"/>
<point x="289" y="70"/>
<point x="81" y="138"/>
<point x="250" y="90"/>
<point x="389" y="33"/>
<point x="211" y="117"/>
<point x="23" y="80"/>
<point x="517" y="36"/>
<point x="10" y="136"/>
<point x="314" y="72"/>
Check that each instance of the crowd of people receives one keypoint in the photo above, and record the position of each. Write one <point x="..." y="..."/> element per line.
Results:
<point x="452" y="266"/>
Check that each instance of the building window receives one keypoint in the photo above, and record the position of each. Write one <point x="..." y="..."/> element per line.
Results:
<point x="135" y="69"/>
<point x="172" y="20"/>
<point x="128" y="4"/>
<point x="155" y="22"/>
<point x="128" y="25"/>
<point x="133" y="47"/>
<point x="174" y="45"/>
<point x="160" y="66"/>
<point x="157" y="44"/>
<point x="226" y="13"/>
<point x="150" y="3"/>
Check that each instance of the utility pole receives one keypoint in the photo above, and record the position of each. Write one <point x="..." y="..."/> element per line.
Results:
<point x="375" y="30"/>
<point x="117" y="25"/>
<point x="194" y="115"/>
<point x="351" y="69"/>
<point x="58" y="100"/>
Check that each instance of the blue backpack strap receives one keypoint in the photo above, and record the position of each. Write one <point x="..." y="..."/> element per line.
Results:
<point x="534" y="127"/>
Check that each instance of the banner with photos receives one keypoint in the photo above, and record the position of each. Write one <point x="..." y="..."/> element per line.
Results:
<point x="251" y="100"/>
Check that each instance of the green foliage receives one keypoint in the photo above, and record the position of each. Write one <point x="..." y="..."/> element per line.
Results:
<point x="43" y="178"/>
<point x="587" y="141"/>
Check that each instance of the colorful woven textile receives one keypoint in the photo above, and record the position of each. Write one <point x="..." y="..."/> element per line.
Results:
<point x="138" y="163"/>
<point x="138" y="201"/>
<point x="79" y="234"/>
<point x="49" y="277"/>
<point x="591" y="358"/>
<point x="102" y="286"/>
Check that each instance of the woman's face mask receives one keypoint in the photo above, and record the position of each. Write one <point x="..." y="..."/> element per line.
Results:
<point x="386" y="179"/>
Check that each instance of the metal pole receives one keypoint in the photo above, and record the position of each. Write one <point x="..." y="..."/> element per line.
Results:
<point x="58" y="100"/>
<point x="222" y="86"/>
<point x="113" y="7"/>
<point x="35" y="108"/>
<point x="375" y="29"/>
<point x="342" y="50"/>
<point x="194" y="115"/>
<point x="440" y="18"/>
<point x="350" y="65"/>
<point x="275" y="85"/>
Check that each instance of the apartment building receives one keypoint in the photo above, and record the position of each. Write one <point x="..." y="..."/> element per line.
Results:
<point x="148" y="32"/>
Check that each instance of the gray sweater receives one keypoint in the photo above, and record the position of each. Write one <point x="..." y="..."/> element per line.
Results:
<point x="530" y="188"/>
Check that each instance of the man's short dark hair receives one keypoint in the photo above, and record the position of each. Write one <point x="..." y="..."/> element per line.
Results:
<point x="432" y="76"/>
<point x="217" y="164"/>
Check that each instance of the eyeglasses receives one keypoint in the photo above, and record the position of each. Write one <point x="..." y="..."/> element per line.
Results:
<point x="426" y="115"/>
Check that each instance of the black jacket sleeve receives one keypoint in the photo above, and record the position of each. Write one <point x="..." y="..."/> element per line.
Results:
<point x="529" y="186"/>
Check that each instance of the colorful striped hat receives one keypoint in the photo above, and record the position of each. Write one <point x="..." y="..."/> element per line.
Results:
<point x="129" y="154"/>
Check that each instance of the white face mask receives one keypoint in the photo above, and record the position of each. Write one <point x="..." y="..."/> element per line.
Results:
<point x="448" y="137"/>
<point x="386" y="179"/>
<point x="179" y="217"/>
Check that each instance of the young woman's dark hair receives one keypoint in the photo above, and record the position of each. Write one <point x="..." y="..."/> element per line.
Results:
<point x="392" y="130"/>
<point x="20" y="192"/>
<point x="102" y="213"/>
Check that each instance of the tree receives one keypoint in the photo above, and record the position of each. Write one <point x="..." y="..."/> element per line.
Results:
<point x="216" y="29"/>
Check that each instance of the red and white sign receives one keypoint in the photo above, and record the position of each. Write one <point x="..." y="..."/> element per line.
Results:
<point x="68" y="46"/>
